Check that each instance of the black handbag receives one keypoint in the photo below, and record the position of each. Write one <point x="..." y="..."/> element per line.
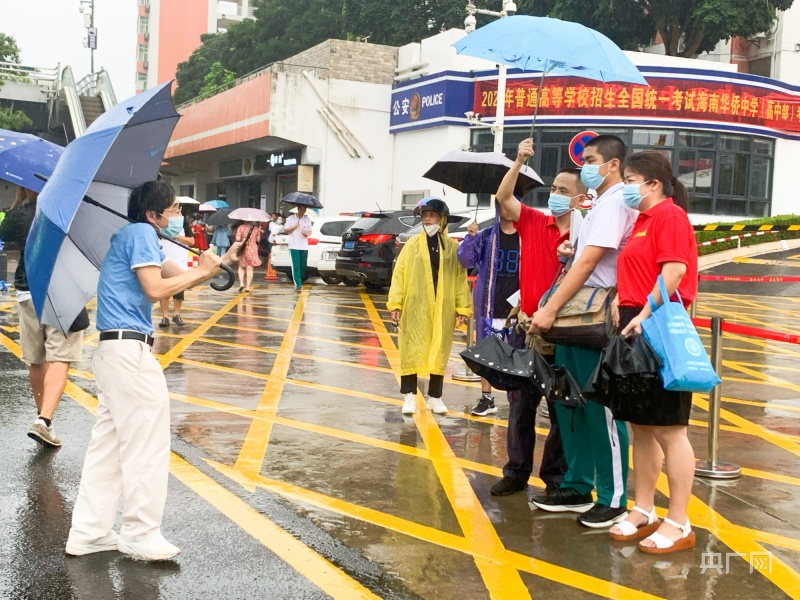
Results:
<point x="81" y="322"/>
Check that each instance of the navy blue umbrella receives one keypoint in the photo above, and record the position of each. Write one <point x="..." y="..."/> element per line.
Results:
<point x="302" y="199"/>
<point x="23" y="155"/>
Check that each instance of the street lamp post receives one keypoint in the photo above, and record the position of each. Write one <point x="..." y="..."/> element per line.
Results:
<point x="91" y="31"/>
<point x="509" y="9"/>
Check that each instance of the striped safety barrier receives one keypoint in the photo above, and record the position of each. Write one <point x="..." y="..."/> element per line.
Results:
<point x="735" y="237"/>
<point x="747" y="227"/>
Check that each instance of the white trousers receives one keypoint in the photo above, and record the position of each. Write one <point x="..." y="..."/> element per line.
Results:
<point x="130" y="447"/>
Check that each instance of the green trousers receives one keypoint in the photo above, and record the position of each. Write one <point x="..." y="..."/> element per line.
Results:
<point x="299" y="263"/>
<point x="595" y="445"/>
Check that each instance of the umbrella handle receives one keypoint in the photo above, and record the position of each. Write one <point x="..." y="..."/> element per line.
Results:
<point x="221" y="287"/>
<point x="240" y="252"/>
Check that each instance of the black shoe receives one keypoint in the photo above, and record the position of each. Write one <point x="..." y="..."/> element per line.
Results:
<point x="600" y="516"/>
<point x="178" y="321"/>
<point x="506" y="486"/>
<point x="564" y="500"/>
<point x="485" y="406"/>
<point x="164" y="323"/>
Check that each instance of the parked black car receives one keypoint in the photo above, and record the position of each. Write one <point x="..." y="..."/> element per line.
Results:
<point x="368" y="247"/>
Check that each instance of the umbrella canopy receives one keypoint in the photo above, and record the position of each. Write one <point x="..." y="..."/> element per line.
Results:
<point x="71" y="234"/>
<point x="218" y="204"/>
<point x="309" y="213"/>
<point x="186" y="200"/>
<point x="23" y="155"/>
<point x="251" y="215"/>
<point x="550" y="45"/>
<point x="221" y="217"/>
<point x="509" y="368"/>
<point x="206" y="207"/>
<point x="480" y="173"/>
<point x="302" y="199"/>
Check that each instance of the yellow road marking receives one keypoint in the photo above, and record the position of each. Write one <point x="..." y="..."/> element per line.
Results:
<point x="485" y="557"/>
<point x="254" y="448"/>
<point x="765" y="261"/>
<point x="300" y="557"/>
<point x="501" y="580"/>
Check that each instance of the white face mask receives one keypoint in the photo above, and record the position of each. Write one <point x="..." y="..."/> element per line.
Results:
<point x="432" y="230"/>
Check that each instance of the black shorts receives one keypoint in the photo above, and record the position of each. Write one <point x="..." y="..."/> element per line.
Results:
<point x="178" y="296"/>
<point x="662" y="408"/>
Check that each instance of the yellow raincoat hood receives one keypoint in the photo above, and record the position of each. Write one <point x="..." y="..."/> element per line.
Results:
<point x="427" y="320"/>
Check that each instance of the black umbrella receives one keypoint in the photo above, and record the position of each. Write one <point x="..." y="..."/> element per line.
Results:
<point x="301" y="199"/>
<point x="480" y="173"/>
<point x="627" y="376"/>
<point x="220" y="217"/>
<point x="508" y="368"/>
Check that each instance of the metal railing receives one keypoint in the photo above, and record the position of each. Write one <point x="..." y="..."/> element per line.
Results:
<point x="25" y="74"/>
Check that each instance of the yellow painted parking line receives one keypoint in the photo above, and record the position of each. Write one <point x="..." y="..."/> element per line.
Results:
<point x="765" y="405"/>
<point x="311" y="565"/>
<point x="484" y="556"/>
<point x="776" y="477"/>
<point x="500" y="579"/>
<point x="191" y="337"/>
<point x="254" y="448"/>
<point x="766" y="261"/>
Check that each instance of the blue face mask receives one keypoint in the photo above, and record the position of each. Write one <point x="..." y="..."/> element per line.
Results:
<point x="590" y="176"/>
<point x="558" y="204"/>
<point x="174" y="228"/>
<point x="632" y="196"/>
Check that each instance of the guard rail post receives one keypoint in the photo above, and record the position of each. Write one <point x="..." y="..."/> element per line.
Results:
<point x="466" y="374"/>
<point x="712" y="467"/>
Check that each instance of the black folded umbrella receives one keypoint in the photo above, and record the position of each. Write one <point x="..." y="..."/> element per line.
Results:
<point x="480" y="173"/>
<point x="302" y="199"/>
<point x="627" y="376"/>
<point x="508" y="368"/>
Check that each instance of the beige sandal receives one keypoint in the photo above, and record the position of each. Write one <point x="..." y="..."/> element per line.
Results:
<point x="664" y="545"/>
<point x="631" y="531"/>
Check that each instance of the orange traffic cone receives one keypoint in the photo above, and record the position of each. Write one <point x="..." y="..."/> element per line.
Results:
<point x="271" y="275"/>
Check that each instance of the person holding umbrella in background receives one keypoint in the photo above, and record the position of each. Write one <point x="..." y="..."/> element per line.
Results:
<point x="429" y="295"/>
<point x="248" y="235"/>
<point x="129" y="451"/>
<point x="298" y="226"/>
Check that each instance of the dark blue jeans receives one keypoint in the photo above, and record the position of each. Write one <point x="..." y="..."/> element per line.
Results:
<point x="521" y="438"/>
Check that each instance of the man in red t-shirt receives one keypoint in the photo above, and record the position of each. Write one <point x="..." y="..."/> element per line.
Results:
<point x="540" y="236"/>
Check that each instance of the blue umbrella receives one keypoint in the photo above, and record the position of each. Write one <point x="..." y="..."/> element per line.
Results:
<point x="218" y="203"/>
<point x="22" y="155"/>
<point x="550" y="46"/>
<point x="85" y="201"/>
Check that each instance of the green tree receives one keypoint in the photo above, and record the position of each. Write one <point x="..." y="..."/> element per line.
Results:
<point x="215" y="79"/>
<point x="15" y="120"/>
<point x="689" y="27"/>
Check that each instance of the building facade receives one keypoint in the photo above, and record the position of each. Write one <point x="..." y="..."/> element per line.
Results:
<point x="168" y="31"/>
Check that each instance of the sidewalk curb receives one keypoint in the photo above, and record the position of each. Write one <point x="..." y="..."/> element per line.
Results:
<point x="718" y="258"/>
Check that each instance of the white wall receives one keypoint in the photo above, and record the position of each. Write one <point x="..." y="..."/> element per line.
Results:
<point x="416" y="152"/>
<point x="345" y="183"/>
<point x="787" y="60"/>
<point x="785" y="198"/>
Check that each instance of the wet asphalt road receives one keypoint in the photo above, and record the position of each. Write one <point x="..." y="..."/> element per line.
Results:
<point x="286" y="413"/>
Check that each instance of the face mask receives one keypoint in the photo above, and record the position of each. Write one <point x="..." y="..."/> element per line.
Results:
<point x="632" y="196"/>
<point x="174" y="228"/>
<point x="590" y="175"/>
<point x="432" y="230"/>
<point x="558" y="204"/>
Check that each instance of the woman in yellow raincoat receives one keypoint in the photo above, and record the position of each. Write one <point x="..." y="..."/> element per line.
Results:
<point x="429" y="292"/>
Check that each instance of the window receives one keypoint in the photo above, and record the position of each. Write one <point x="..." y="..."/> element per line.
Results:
<point x="144" y="25"/>
<point x="186" y="190"/>
<point x="141" y="81"/>
<point x="411" y="197"/>
<point x="142" y="53"/>
<point x="335" y="228"/>
<point x="724" y="173"/>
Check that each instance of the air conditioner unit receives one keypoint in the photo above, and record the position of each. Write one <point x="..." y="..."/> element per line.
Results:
<point x="147" y="36"/>
<point x="146" y="65"/>
<point x="147" y="7"/>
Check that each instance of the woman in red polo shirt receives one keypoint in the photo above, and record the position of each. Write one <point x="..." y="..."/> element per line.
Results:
<point x="662" y="243"/>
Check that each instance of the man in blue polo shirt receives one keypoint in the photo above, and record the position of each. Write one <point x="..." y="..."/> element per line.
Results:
<point x="129" y="451"/>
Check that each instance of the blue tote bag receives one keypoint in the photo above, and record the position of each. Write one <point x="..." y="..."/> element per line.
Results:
<point x="671" y="333"/>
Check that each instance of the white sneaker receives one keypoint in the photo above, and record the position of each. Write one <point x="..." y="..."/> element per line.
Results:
<point x="43" y="434"/>
<point x="156" y="547"/>
<point x="104" y="544"/>
<point x="409" y="404"/>
<point x="436" y="405"/>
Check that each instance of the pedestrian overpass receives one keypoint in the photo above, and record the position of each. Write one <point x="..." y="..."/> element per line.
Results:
<point x="60" y="107"/>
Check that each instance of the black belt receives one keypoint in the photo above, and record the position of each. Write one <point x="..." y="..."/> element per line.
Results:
<point x="121" y="334"/>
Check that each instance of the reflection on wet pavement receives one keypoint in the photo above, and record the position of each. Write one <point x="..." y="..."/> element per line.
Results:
<point x="286" y="420"/>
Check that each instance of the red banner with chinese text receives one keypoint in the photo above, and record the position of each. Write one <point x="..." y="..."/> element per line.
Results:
<point x="663" y="98"/>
